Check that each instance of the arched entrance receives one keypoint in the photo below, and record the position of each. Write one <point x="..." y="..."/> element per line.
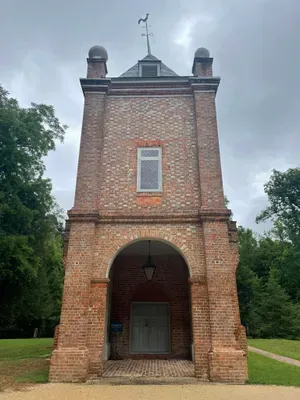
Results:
<point x="149" y="318"/>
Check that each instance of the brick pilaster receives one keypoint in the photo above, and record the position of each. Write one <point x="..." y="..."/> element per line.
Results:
<point x="227" y="361"/>
<point x="201" y="325"/>
<point x="202" y="66"/>
<point x="90" y="152"/>
<point x="69" y="362"/>
<point x="211" y="186"/>
<point x="96" y="68"/>
<point x="97" y="326"/>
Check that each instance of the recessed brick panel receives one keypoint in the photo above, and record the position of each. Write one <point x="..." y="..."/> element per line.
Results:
<point x="139" y="122"/>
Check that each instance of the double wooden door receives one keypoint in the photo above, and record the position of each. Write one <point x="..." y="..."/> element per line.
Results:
<point x="150" y="328"/>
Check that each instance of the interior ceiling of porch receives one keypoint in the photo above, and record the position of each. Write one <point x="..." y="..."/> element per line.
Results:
<point x="142" y="248"/>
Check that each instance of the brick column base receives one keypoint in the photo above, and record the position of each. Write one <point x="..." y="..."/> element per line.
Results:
<point x="228" y="365"/>
<point x="96" y="327"/>
<point x="69" y="365"/>
<point x="242" y="338"/>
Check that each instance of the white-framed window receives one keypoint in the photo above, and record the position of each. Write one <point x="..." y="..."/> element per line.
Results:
<point x="149" y="169"/>
<point x="149" y="70"/>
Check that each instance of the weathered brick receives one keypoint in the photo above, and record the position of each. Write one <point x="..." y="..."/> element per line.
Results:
<point x="189" y="215"/>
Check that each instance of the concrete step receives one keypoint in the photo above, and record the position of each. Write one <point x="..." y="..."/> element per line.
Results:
<point x="146" y="380"/>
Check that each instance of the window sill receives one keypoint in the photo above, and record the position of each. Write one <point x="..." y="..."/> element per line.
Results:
<point x="149" y="194"/>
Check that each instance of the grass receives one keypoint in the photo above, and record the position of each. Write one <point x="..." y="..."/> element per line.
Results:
<point x="24" y="361"/>
<point x="39" y="376"/>
<point x="282" y="347"/>
<point x="15" y="349"/>
<point x="266" y="371"/>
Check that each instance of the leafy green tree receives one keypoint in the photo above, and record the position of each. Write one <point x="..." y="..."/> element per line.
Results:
<point x="283" y="190"/>
<point x="30" y="223"/>
<point x="264" y="281"/>
<point x="279" y="316"/>
<point x="248" y="284"/>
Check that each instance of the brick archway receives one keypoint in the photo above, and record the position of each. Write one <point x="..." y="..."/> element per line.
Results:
<point x="177" y="243"/>
<point x="163" y="303"/>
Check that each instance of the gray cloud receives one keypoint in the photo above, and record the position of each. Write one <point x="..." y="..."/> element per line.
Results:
<point x="255" y="49"/>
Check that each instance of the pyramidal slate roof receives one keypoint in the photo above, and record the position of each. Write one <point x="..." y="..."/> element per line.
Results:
<point x="133" y="72"/>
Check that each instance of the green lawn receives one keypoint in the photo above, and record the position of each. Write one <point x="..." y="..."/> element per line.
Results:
<point x="282" y="347"/>
<point x="24" y="361"/>
<point x="266" y="371"/>
<point x="40" y="375"/>
<point x="15" y="349"/>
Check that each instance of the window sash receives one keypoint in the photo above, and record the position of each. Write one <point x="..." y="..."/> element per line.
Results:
<point x="149" y="64"/>
<point x="139" y="168"/>
<point x="149" y="71"/>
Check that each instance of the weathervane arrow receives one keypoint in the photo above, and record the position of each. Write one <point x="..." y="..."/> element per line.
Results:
<point x="147" y="34"/>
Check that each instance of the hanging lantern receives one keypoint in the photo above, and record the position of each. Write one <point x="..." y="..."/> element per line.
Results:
<point x="149" y="268"/>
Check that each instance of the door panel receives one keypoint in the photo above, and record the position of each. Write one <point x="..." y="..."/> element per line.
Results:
<point x="150" y="328"/>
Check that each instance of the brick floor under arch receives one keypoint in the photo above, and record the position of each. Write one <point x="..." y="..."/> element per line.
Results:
<point x="149" y="368"/>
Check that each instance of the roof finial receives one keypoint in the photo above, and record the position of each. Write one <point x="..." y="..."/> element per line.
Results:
<point x="147" y="34"/>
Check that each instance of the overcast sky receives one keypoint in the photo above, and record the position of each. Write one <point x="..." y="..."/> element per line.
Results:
<point x="255" y="45"/>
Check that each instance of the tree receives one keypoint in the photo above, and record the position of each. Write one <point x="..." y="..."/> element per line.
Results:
<point x="264" y="281"/>
<point x="278" y="315"/>
<point x="248" y="283"/>
<point x="283" y="190"/>
<point x="30" y="222"/>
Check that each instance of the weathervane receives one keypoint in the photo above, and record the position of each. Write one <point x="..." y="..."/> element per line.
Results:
<point x="147" y="34"/>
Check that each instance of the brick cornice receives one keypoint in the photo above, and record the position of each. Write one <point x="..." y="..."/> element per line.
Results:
<point x="157" y="86"/>
<point x="203" y="215"/>
<point x="155" y="219"/>
<point x="95" y="85"/>
<point x="205" y="87"/>
<point x="215" y="214"/>
<point x="83" y="216"/>
<point x="132" y="219"/>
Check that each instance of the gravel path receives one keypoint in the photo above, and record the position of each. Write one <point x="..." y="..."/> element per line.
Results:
<point x="146" y="392"/>
<point x="274" y="356"/>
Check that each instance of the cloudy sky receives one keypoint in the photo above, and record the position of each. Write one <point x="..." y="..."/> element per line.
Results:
<point x="255" y="45"/>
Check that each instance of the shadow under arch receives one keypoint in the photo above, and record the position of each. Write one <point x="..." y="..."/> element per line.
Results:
<point x="177" y="245"/>
<point x="163" y="303"/>
<point x="155" y="289"/>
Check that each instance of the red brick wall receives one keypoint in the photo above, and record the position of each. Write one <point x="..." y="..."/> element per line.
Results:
<point x="56" y="334"/>
<point x="133" y="121"/>
<point x="189" y="214"/>
<point x="111" y="238"/>
<point x="170" y="284"/>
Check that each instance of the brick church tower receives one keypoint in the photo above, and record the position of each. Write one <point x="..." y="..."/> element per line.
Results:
<point x="151" y="253"/>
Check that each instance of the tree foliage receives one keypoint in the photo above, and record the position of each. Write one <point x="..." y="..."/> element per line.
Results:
<point x="30" y="223"/>
<point x="268" y="275"/>
<point x="268" y="304"/>
<point x="283" y="191"/>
